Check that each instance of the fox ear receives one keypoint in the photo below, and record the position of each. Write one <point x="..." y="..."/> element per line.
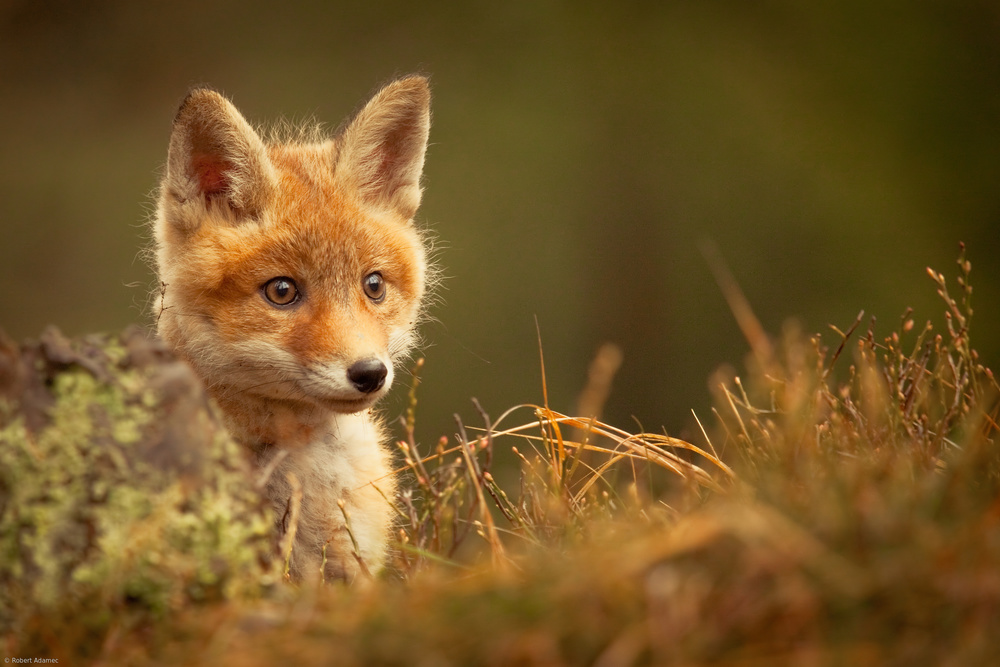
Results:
<point x="214" y="157"/>
<point x="381" y="154"/>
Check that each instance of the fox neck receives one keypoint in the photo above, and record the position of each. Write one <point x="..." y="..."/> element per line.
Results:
<point x="258" y="421"/>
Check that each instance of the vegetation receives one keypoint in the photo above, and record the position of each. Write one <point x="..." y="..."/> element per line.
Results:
<point x="842" y="507"/>
<point x="121" y="497"/>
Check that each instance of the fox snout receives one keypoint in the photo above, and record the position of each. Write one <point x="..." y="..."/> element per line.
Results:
<point x="367" y="375"/>
<point x="349" y="385"/>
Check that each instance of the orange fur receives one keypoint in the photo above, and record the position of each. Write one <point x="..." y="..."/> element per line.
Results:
<point x="325" y="217"/>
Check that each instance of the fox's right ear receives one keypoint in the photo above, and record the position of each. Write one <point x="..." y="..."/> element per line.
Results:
<point x="215" y="157"/>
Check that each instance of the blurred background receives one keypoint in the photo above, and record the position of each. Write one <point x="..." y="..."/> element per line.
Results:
<point x="582" y="152"/>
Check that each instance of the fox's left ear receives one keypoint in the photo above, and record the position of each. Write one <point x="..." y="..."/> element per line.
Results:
<point x="381" y="153"/>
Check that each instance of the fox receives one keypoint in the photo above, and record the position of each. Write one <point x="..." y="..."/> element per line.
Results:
<point x="291" y="278"/>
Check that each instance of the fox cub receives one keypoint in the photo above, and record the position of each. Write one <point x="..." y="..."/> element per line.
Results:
<point x="291" y="277"/>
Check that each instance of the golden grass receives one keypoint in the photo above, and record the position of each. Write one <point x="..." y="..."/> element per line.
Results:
<point x="844" y="509"/>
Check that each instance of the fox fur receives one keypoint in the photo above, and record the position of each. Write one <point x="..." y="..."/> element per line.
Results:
<point x="291" y="279"/>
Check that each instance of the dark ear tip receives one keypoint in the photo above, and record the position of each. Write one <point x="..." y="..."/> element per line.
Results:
<point x="197" y="97"/>
<point x="416" y="80"/>
<point x="417" y="85"/>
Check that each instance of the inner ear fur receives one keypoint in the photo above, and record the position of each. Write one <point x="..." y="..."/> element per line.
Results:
<point x="381" y="152"/>
<point x="215" y="157"/>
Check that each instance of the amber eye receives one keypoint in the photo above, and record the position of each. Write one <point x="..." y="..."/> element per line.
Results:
<point x="374" y="285"/>
<point x="281" y="291"/>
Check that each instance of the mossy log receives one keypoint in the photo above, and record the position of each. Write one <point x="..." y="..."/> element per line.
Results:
<point x="121" y="494"/>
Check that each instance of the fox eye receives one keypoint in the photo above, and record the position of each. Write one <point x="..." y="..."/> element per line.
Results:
<point x="374" y="285"/>
<point x="281" y="291"/>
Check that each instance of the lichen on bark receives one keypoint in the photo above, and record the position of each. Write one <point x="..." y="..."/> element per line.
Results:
<point x="120" y="490"/>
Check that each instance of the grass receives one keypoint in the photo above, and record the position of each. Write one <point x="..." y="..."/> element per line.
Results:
<point x="842" y="507"/>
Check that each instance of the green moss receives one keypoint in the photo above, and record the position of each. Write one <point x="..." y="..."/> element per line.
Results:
<point x="128" y="496"/>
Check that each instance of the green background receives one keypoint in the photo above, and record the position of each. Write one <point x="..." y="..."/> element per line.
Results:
<point x="580" y="154"/>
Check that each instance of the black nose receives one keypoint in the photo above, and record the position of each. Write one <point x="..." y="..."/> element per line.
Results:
<point x="368" y="375"/>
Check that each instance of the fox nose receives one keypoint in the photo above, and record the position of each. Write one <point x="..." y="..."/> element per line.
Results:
<point x="367" y="375"/>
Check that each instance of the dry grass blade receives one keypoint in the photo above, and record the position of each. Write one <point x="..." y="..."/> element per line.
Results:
<point x="751" y="327"/>
<point x="291" y="522"/>
<point x="644" y="446"/>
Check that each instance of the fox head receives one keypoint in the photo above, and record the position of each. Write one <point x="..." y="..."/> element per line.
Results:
<point x="293" y="272"/>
